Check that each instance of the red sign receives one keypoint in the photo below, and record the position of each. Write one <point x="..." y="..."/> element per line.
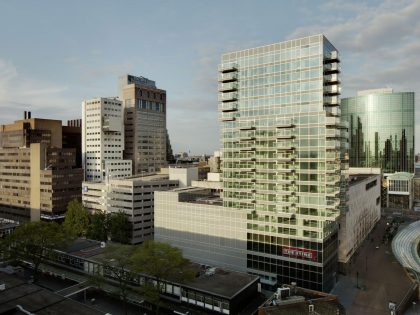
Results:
<point x="301" y="253"/>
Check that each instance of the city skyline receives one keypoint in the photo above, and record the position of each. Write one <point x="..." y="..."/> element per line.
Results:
<point x="78" y="51"/>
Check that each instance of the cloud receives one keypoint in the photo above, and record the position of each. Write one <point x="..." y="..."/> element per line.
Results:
<point x="19" y="92"/>
<point x="379" y="45"/>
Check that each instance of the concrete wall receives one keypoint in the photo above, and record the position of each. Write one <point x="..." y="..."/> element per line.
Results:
<point x="206" y="234"/>
<point x="355" y="224"/>
<point x="185" y="175"/>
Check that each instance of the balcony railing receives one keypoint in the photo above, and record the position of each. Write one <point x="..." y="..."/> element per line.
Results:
<point x="226" y="87"/>
<point x="331" y="78"/>
<point x="333" y="67"/>
<point x="228" y="97"/>
<point x="332" y="101"/>
<point x="229" y="76"/>
<point x="332" y="56"/>
<point x="228" y="107"/>
<point x="331" y="89"/>
<point x="228" y="67"/>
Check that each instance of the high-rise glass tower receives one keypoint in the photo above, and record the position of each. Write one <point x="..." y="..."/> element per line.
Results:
<point x="381" y="129"/>
<point x="283" y="150"/>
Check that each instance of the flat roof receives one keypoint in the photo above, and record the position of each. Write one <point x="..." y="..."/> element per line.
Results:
<point x="356" y="179"/>
<point x="37" y="300"/>
<point x="225" y="283"/>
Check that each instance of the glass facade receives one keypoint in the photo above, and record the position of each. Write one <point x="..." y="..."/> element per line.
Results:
<point x="284" y="146"/>
<point x="381" y="130"/>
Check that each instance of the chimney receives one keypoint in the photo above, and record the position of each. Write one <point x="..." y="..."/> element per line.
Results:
<point x="29" y="115"/>
<point x="24" y="114"/>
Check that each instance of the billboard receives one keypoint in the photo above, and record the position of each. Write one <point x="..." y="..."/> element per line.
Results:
<point x="301" y="253"/>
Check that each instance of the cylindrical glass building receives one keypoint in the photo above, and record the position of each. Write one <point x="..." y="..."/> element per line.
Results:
<point x="381" y="129"/>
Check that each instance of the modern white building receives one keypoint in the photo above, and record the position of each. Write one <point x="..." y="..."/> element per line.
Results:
<point x="134" y="196"/>
<point x="363" y="212"/>
<point x="194" y="220"/>
<point x="103" y="140"/>
<point x="400" y="191"/>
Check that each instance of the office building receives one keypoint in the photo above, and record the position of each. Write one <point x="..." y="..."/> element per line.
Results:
<point x="72" y="138"/>
<point x="381" y="132"/>
<point x="194" y="220"/>
<point x="283" y="149"/>
<point x="364" y="211"/>
<point x="103" y="140"/>
<point x="400" y="191"/>
<point x="38" y="177"/>
<point x="145" y="124"/>
<point x="134" y="196"/>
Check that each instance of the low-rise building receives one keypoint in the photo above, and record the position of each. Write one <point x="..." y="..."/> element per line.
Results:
<point x="134" y="196"/>
<point x="363" y="211"/>
<point x="400" y="191"/>
<point x="290" y="299"/>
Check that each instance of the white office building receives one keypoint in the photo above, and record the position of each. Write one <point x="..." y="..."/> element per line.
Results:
<point x="103" y="140"/>
<point x="134" y="196"/>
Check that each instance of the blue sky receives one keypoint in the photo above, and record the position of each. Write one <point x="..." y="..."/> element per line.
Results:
<point x="54" y="54"/>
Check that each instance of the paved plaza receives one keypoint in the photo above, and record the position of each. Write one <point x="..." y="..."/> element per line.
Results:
<point x="376" y="278"/>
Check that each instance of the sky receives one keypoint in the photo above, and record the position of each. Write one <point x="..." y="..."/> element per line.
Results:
<point x="54" y="54"/>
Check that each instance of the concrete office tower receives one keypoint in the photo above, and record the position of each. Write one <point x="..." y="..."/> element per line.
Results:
<point x="38" y="177"/>
<point x="283" y="147"/>
<point x="145" y="124"/>
<point x="381" y="129"/>
<point x="103" y="140"/>
<point x="132" y="195"/>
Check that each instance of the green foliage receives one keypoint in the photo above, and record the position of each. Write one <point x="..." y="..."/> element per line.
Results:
<point x="119" y="228"/>
<point x="161" y="261"/>
<point x="77" y="219"/>
<point x="98" y="227"/>
<point x="33" y="242"/>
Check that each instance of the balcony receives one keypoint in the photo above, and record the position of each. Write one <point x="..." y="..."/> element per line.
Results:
<point x="229" y="118"/>
<point x="333" y="111"/>
<point x="332" y="101"/>
<point x="332" y="191"/>
<point x="333" y="133"/>
<point x="228" y="97"/>
<point x="228" y="107"/>
<point x="284" y="134"/>
<point x="228" y="87"/>
<point x="285" y="146"/>
<point x="332" y="145"/>
<point x="332" y="90"/>
<point x="343" y="124"/>
<point x="247" y="125"/>
<point x="246" y="159"/>
<point x="332" y="168"/>
<point x="228" y="77"/>
<point x="247" y="148"/>
<point x="284" y="123"/>
<point x="332" y="56"/>
<point x="332" y="121"/>
<point x="332" y="78"/>
<point x="333" y="67"/>
<point x="228" y="67"/>
<point x="333" y="203"/>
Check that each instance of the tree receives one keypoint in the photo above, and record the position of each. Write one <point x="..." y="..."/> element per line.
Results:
<point x="98" y="227"/>
<point x="116" y="263"/>
<point x="77" y="219"/>
<point x="120" y="228"/>
<point x="34" y="241"/>
<point x="160" y="261"/>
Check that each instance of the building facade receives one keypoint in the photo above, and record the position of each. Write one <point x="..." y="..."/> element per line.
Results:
<point x="38" y="177"/>
<point x="134" y="196"/>
<point x="103" y="140"/>
<point x="145" y="124"/>
<point x="283" y="150"/>
<point x="364" y="211"/>
<point x="194" y="220"/>
<point x="400" y="191"/>
<point x="381" y="129"/>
